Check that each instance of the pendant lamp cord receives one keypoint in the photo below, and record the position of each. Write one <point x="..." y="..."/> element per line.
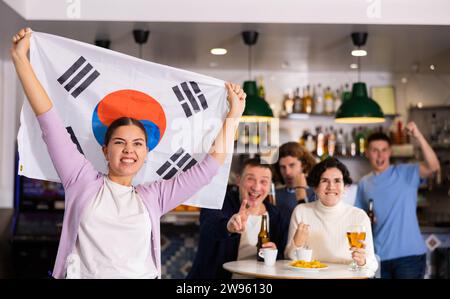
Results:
<point x="359" y="69"/>
<point x="250" y="62"/>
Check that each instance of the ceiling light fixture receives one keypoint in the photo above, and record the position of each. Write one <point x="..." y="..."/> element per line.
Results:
<point x="255" y="107"/>
<point x="359" y="39"/>
<point x="218" y="51"/>
<point x="359" y="53"/>
<point x="359" y="109"/>
<point x="140" y="37"/>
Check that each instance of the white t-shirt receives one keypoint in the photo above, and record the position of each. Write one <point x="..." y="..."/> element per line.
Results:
<point x="114" y="237"/>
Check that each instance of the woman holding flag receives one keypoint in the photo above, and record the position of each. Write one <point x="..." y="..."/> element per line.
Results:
<point x="111" y="229"/>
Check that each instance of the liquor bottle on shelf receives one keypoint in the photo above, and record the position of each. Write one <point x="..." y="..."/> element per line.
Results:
<point x="444" y="134"/>
<point x="320" y="151"/>
<point x="298" y="107"/>
<point x="341" y="146"/>
<point x="433" y="128"/>
<point x="328" y="101"/>
<point x="261" y="89"/>
<point x="361" y="141"/>
<point x="302" y="139"/>
<point x="288" y="104"/>
<point x="307" y="100"/>
<point x="310" y="142"/>
<point x="331" y="142"/>
<point x="318" y="100"/>
<point x="352" y="143"/>
<point x="400" y="133"/>
<point x="346" y="93"/>
<point x="337" y="100"/>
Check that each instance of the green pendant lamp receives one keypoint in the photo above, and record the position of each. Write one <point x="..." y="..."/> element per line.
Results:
<point x="256" y="108"/>
<point x="359" y="109"/>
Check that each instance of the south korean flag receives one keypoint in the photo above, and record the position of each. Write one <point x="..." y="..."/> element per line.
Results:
<point x="91" y="86"/>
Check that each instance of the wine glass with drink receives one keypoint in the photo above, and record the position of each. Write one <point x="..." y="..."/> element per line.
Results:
<point x="355" y="235"/>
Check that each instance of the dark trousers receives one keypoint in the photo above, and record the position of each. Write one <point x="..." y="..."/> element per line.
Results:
<point x="408" y="267"/>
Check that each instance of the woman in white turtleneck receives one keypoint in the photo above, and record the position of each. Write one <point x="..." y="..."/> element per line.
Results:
<point x="322" y="224"/>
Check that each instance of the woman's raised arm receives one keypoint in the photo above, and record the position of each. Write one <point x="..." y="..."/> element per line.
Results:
<point x="36" y="95"/>
<point x="224" y="142"/>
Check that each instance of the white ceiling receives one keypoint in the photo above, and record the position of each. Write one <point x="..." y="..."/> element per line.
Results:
<point x="281" y="47"/>
<point x="303" y="47"/>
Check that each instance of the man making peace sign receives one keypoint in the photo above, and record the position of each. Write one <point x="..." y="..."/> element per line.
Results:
<point x="231" y="234"/>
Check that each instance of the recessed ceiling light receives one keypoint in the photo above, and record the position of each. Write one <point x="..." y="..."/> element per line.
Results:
<point x="432" y="67"/>
<point x="353" y="66"/>
<point x="218" y="51"/>
<point x="359" y="52"/>
<point x="404" y="80"/>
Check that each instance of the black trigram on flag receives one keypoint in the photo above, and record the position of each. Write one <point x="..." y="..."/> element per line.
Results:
<point x="179" y="160"/>
<point x="74" y="139"/>
<point x="190" y="97"/>
<point x="82" y="74"/>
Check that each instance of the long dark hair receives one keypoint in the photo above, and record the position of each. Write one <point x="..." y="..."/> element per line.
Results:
<point x="123" y="121"/>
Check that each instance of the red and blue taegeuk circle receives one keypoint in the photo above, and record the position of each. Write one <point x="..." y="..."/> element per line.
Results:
<point x="130" y="103"/>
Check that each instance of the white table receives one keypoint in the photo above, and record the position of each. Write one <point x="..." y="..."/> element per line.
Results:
<point x="253" y="268"/>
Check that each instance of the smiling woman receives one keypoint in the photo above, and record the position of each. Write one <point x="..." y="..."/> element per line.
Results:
<point x="103" y="211"/>
<point x="321" y="225"/>
<point x="125" y="149"/>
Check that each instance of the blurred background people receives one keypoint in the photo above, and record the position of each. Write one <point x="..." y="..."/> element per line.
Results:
<point x="294" y="163"/>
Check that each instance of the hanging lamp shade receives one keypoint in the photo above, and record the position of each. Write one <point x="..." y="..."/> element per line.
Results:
<point x="255" y="107"/>
<point x="359" y="109"/>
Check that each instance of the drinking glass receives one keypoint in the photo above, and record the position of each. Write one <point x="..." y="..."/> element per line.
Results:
<point x="355" y="234"/>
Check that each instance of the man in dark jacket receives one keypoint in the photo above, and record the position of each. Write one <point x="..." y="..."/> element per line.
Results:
<point x="230" y="234"/>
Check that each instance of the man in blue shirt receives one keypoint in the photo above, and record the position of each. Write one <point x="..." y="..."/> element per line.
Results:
<point x="393" y="189"/>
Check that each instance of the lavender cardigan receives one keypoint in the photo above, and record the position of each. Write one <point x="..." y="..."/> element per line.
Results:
<point x="82" y="182"/>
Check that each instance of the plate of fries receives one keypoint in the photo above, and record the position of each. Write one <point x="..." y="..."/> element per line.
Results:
<point x="312" y="266"/>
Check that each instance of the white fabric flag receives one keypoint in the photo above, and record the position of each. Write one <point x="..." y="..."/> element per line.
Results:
<point x="91" y="86"/>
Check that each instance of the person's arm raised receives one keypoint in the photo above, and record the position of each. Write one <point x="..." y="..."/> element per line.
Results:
<point x="224" y="142"/>
<point x="69" y="163"/>
<point x="36" y="95"/>
<point x="431" y="164"/>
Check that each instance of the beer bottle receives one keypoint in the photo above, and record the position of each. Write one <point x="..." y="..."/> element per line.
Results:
<point x="371" y="213"/>
<point x="263" y="237"/>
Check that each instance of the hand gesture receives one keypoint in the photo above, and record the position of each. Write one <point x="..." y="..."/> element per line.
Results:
<point x="236" y="99"/>
<point x="301" y="235"/>
<point x="300" y="180"/>
<point x="412" y="130"/>
<point x="359" y="254"/>
<point x="21" y="43"/>
<point x="238" y="222"/>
